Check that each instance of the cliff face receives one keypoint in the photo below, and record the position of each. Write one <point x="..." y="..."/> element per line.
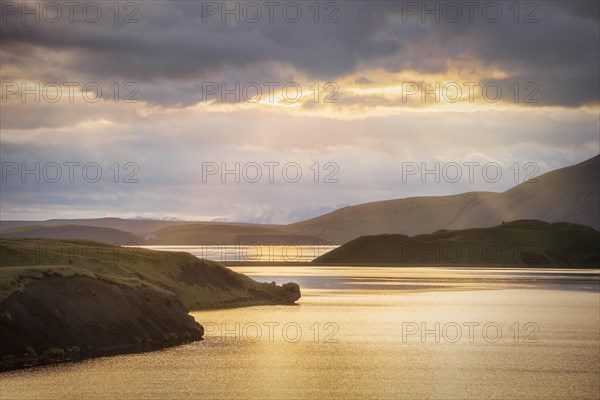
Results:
<point x="60" y="318"/>
<point x="203" y="284"/>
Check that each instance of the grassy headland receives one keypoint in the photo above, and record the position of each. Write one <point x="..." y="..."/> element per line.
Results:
<point x="70" y="299"/>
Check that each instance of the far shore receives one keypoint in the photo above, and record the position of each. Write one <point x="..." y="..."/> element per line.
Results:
<point x="396" y="265"/>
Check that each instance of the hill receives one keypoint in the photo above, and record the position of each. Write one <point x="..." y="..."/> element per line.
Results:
<point x="196" y="234"/>
<point x="71" y="299"/>
<point x="135" y="226"/>
<point x="173" y="232"/>
<point x="518" y="243"/>
<point x="200" y="284"/>
<point x="569" y="194"/>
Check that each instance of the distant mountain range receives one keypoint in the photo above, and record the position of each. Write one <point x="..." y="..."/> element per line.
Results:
<point x="98" y="234"/>
<point x="284" y="217"/>
<point x="139" y="218"/>
<point x="565" y="195"/>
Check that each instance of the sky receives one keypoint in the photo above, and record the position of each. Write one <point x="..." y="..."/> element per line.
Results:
<point x="275" y="111"/>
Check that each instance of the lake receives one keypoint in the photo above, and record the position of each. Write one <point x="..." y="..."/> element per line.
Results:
<point x="367" y="333"/>
<point x="251" y="253"/>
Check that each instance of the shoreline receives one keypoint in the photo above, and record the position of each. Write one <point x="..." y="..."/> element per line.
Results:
<point x="35" y="361"/>
<point x="397" y="265"/>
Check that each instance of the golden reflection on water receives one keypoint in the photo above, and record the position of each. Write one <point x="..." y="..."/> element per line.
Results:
<point x="424" y="278"/>
<point x="358" y="344"/>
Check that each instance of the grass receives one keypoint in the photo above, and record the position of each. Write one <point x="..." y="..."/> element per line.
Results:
<point x="24" y="260"/>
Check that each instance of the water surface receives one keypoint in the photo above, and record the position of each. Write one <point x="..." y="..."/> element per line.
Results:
<point x="250" y="253"/>
<point x="357" y="333"/>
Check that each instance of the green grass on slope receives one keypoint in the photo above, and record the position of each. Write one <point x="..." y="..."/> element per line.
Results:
<point x="199" y="283"/>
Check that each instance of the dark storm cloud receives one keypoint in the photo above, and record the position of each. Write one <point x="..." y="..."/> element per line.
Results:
<point x="172" y="40"/>
<point x="171" y="49"/>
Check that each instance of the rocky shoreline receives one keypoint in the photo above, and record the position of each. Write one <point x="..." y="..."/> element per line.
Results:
<point x="65" y="319"/>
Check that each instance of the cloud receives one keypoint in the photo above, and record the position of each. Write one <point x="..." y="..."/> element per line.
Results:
<point x="173" y="48"/>
<point x="368" y="134"/>
<point x="171" y="150"/>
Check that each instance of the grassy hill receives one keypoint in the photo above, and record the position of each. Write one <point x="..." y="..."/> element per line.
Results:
<point x="518" y="243"/>
<point x="200" y="284"/>
<point x="196" y="234"/>
<point x="63" y="300"/>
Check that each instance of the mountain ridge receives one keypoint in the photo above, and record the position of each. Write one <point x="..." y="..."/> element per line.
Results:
<point x="569" y="194"/>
